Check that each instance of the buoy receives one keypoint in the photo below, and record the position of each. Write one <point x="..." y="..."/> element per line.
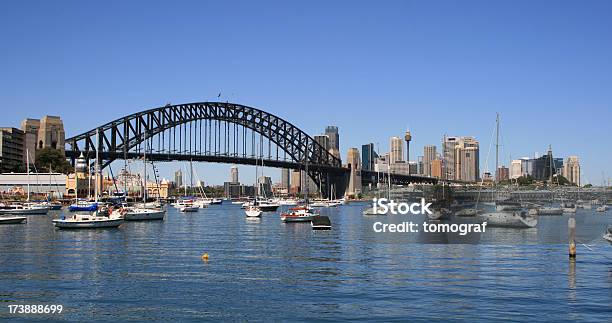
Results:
<point x="205" y="257"/>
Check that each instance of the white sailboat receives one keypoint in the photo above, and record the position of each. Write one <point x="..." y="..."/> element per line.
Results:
<point x="28" y="207"/>
<point x="88" y="220"/>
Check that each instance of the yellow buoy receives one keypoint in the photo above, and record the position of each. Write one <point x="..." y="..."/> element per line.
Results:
<point x="205" y="257"/>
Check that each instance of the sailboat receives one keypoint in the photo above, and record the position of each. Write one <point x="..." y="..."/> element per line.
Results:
<point x="507" y="214"/>
<point x="90" y="220"/>
<point x="28" y="207"/>
<point x="143" y="212"/>
<point x="81" y="205"/>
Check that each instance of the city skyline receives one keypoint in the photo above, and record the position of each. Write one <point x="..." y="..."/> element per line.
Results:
<point x="444" y="78"/>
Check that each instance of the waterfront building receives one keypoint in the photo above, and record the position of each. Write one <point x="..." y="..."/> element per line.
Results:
<point x="503" y="173"/>
<point x="571" y="170"/>
<point x="400" y="168"/>
<point x="420" y="165"/>
<point x="47" y="132"/>
<point x="234" y="190"/>
<point x="30" y="127"/>
<point x="396" y="153"/>
<point x="234" y="174"/>
<point x="12" y="151"/>
<point x="178" y="178"/>
<point x="369" y="156"/>
<point x="334" y="140"/>
<point x="382" y="163"/>
<point x="354" y="163"/>
<point x="53" y="184"/>
<point x="436" y="168"/>
<point x="429" y="154"/>
<point x="158" y="190"/>
<point x="461" y="158"/>
<point x="286" y="178"/>
<point x="527" y="166"/>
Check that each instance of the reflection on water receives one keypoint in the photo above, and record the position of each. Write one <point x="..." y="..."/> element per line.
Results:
<point x="263" y="269"/>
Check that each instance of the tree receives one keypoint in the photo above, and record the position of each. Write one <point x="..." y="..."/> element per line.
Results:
<point x="588" y="186"/>
<point x="560" y="180"/>
<point x="525" y="180"/>
<point x="49" y="159"/>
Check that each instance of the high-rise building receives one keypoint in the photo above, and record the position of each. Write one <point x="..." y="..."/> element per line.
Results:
<point x="516" y="169"/>
<point x="286" y="179"/>
<point x="503" y="173"/>
<point x="571" y="170"/>
<point x="178" y="178"/>
<point x="546" y="166"/>
<point x="354" y="163"/>
<point x="234" y="174"/>
<point x="448" y="157"/>
<point x="413" y="168"/>
<point x="396" y="154"/>
<point x="436" y="168"/>
<point x="296" y="182"/>
<point x="264" y="186"/>
<point x="369" y="156"/>
<point x="334" y="140"/>
<point x="12" y="151"/>
<point x="429" y="154"/>
<point x="323" y="140"/>
<point x="461" y="159"/>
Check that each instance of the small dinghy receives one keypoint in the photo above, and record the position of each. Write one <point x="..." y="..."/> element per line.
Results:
<point x="320" y="222"/>
<point x="12" y="219"/>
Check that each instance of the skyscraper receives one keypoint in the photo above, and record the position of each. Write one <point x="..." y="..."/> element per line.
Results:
<point x="396" y="153"/>
<point x="571" y="170"/>
<point x="334" y="140"/>
<point x="234" y="174"/>
<point x="436" y="168"/>
<point x="368" y="155"/>
<point x="12" y="150"/>
<point x="429" y="154"/>
<point x="286" y="179"/>
<point x="516" y="169"/>
<point x="461" y="158"/>
<point x="448" y="158"/>
<point x="178" y="178"/>
<point x="323" y="140"/>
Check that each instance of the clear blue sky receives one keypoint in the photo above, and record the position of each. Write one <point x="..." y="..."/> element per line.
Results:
<point x="372" y="68"/>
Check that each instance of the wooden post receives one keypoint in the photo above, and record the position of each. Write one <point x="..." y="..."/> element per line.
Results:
<point x="571" y="227"/>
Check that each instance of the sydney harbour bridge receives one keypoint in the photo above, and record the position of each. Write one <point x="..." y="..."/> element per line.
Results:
<point x="221" y="132"/>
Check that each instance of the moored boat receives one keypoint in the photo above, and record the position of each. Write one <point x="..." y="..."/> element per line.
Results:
<point x="320" y="222"/>
<point x="12" y="219"/>
<point x="26" y="209"/>
<point x="253" y="212"/>
<point x="298" y="214"/>
<point x="515" y="219"/>
<point x="87" y="221"/>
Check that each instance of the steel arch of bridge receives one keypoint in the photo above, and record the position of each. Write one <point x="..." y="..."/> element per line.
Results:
<point x="119" y="138"/>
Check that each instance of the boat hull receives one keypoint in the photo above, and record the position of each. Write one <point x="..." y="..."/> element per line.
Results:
<point x="508" y="220"/>
<point x="34" y="211"/>
<point x="13" y="220"/>
<point x="91" y="224"/>
<point x="144" y="216"/>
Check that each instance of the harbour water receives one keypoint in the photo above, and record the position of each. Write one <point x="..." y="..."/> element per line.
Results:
<point x="265" y="270"/>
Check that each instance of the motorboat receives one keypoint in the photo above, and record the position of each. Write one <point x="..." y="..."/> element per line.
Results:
<point x="189" y="208"/>
<point x="514" y="219"/>
<point x="602" y="208"/>
<point x="469" y="212"/>
<point x="370" y="211"/>
<point x="26" y="208"/>
<point x="88" y="221"/>
<point x="502" y="206"/>
<point x="12" y="219"/>
<point x="253" y="212"/>
<point x="608" y="235"/>
<point x="263" y="205"/>
<point x="288" y="202"/>
<point x="320" y="222"/>
<point x="298" y="214"/>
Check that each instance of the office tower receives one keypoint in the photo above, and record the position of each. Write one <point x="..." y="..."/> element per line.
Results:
<point x="334" y="140"/>
<point x="420" y="168"/>
<point x="429" y="154"/>
<point x="369" y="157"/>
<point x="264" y="186"/>
<point x="436" y="168"/>
<point x="178" y="178"/>
<point x="396" y="153"/>
<point x="30" y="127"/>
<point x="12" y="151"/>
<point x="516" y="169"/>
<point x="448" y="157"/>
<point x="412" y="168"/>
<point x="571" y="170"/>
<point x="323" y="140"/>
<point x="354" y="163"/>
<point x="234" y="174"/>
<point x="286" y="179"/>
<point x="466" y="157"/>
<point x="503" y="173"/>
<point x="546" y="166"/>
<point x="296" y="182"/>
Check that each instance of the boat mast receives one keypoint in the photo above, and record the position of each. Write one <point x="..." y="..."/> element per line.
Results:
<point x="28" y="170"/>
<point x="497" y="147"/>
<point x="96" y="178"/>
<point x="144" y="172"/>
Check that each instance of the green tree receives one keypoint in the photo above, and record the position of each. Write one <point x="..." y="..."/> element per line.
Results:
<point x="560" y="180"/>
<point x="49" y="159"/>
<point x="525" y="180"/>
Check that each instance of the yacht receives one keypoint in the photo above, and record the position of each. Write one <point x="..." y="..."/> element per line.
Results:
<point x="509" y="219"/>
<point x="608" y="235"/>
<point x="602" y="208"/>
<point x="26" y="208"/>
<point x="88" y="221"/>
<point x="139" y="214"/>
<point x="569" y="208"/>
<point x="549" y="210"/>
<point x="83" y="206"/>
<point x="298" y="214"/>
<point x="253" y="212"/>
